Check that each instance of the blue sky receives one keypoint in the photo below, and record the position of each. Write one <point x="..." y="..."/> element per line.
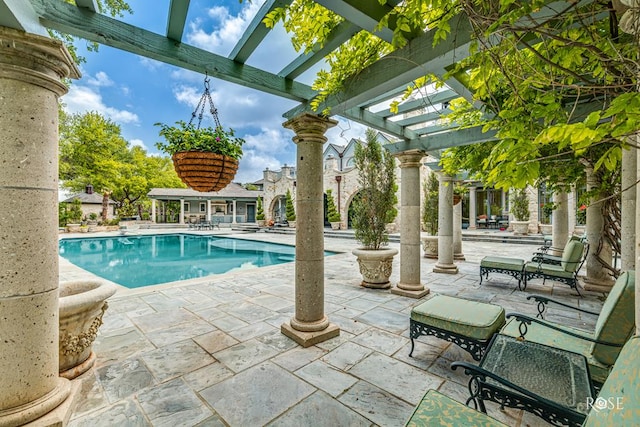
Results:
<point x="136" y="92"/>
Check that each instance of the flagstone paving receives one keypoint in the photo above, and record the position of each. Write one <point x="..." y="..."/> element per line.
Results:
<point x="209" y="352"/>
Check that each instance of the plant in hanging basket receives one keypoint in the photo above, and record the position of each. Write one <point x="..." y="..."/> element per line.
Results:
<point x="206" y="159"/>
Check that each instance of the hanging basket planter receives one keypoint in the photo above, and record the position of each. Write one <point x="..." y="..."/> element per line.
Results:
<point x="205" y="159"/>
<point x="204" y="171"/>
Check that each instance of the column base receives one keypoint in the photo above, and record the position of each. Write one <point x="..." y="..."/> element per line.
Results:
<point x="307" y="339"/>
<point x="446" y="268"/>
<point x="459" y="257"/>
<point x="53" y="409"/>
<point x="411" y="291"/>
<point x="472" y="227"/>
<point x="596" y="285"/>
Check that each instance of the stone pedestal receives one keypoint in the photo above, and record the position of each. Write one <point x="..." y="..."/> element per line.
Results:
<point x="31" y="69"/>
<point x="409" y="284"/>
<point x="309" y="326"/>
<point x="445" y="226"/>
<point x="560" y="222"/>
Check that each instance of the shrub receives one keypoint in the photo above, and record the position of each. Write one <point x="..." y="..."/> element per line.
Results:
<point x="520" y="205"/>
<point x="332" y="212"/>
<point x="290" y="212"/>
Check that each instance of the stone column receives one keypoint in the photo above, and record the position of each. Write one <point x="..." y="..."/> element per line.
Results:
<point x="309" y="326"/>
<point x="628" y="202"/>
<point x="409" y="284"/>
<point x="597" y="278"/>
<point x="181" y="219"/>
<point x="560" y="221"/>
<point x="473" y="210"/>
<point x="630" y="23"/>
<point x="445" y="226"/>
<point x="209" y="216"/>
<point x="31" y="69"/>
<point x="233" y="219"/>
<point x="457" y="231"/>
<point x="153" y="210"/>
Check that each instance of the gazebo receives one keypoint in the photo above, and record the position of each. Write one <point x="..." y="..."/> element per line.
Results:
<point x="32" y="72"/>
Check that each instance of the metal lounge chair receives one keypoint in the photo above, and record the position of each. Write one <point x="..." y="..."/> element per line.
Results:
<point x="545" y="253"/>
<point x="572" y="259"/>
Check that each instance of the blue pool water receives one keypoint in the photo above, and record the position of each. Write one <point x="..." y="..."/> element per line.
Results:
<point x="136" y="261"/>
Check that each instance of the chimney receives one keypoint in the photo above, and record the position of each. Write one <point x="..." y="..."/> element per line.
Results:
<point x="88" y="189"/>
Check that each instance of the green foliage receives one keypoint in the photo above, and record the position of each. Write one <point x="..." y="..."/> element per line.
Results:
<point x="290" y="212"/>
<point x="520" y="205"/>
<point x="547" y="212"/>
<point x="187" y="137"/>
<point x="259" y="209"/>
<point x="91" y="150"/>
<point x="431" y="190"/>
<point x="332" y="212"/>
<point x="69" y="213"/>
<point x="375" y="207"/>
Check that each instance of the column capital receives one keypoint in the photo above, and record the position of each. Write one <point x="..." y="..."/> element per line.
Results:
<point x="36" y="60"/>
<point x="411" y="158"/>
<point x="309" y="127"/>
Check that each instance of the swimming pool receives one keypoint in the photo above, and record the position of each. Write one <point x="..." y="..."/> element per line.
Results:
<point x="136" y="261"/>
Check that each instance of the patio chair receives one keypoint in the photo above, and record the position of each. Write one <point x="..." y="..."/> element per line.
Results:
<point x="573" y="257"/>
<point x="471" y="324"/>
<point x="545" y="255"/>
<point x="618" y="403"/>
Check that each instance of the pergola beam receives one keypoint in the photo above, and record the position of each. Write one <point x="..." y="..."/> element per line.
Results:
<point x="92" y="5"/>
<point x="441" y="141"/>
<point x="20" y="15"/>
<point x="365" y="15"/>
<point x="255" y="32"/>
<point x="398" y="68"/>
<point x="177" y="18"/>
<point x="417" y="104"/>
<point x="111" y="32"/>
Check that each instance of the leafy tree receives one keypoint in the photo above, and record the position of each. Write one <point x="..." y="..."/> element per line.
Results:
<point x="290" y="213"/>
<point x="92" y="151"/>
<point x="259" y="210"/>
<point x="375" y="207"/>
<point x="430" y="204"/>
<point x="332" y="211"/>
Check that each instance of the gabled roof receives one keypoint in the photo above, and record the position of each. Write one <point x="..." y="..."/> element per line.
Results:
<point x="87" y="199"/>
<point x="231" y="191"/>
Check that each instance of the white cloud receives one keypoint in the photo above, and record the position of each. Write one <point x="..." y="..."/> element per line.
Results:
<point x="253" y="164"/>
<point x="345" y="131"/>
<point x="101" y="79"/>
<point x="150" y="64"/>
<point x="139" y="143"/>
<point x="224" y="36"/>
<point x="81" y="99"/>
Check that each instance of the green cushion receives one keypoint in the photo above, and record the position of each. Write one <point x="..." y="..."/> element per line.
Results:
<point x="549" y="269"/>
<point x="502" y="263"/>
<point x="616" y="322"/>
<point x="436" y="409"/>
<point x="621" y="392"/>
<point x="477" y="320"/>
<point x="571" y="255"/>
<point x="547" y="336"/>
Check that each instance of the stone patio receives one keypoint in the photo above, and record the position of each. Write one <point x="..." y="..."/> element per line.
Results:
<point x="209" y="352"/>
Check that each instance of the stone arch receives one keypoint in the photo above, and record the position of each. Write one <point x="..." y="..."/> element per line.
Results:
<point x="276" y="208"/>
<point x="347" y="207"/>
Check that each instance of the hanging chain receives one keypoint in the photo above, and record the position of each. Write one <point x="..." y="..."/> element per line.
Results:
<point x="199" y="110"/>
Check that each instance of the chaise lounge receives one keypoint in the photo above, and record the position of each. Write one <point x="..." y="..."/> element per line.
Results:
<point x="471" y="325"/>
<point x="566" y="272"/>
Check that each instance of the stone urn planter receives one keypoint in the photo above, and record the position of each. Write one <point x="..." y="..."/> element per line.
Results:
<point x="335" y="225"/>
<point x="520" y="227"/>
<point x="546" y="229"/>
<point x="430" y="247"/>
<point x="82" y="305"/>
<point x="375" y="266"/>
<point x="261" y="222"/>
<point x="292" y="224"/>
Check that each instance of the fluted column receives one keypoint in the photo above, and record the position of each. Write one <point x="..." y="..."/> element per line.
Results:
<point x="445" y="226"/>
<point x="31" y="70"/>
<point x="560" y="221"/>
<point x="309" y="326"/>
<point x="473" y="209"/>
<point x="409" y="284"/>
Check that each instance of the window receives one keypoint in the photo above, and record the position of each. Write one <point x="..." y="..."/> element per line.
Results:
<point x="203" y="207"/>
<point x="187" y="206"/>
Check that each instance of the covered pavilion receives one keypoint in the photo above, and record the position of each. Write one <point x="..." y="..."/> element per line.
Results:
<point x="33" y="68"/>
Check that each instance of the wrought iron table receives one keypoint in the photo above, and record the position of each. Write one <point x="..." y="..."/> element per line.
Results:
<point x="549" y="382"/>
